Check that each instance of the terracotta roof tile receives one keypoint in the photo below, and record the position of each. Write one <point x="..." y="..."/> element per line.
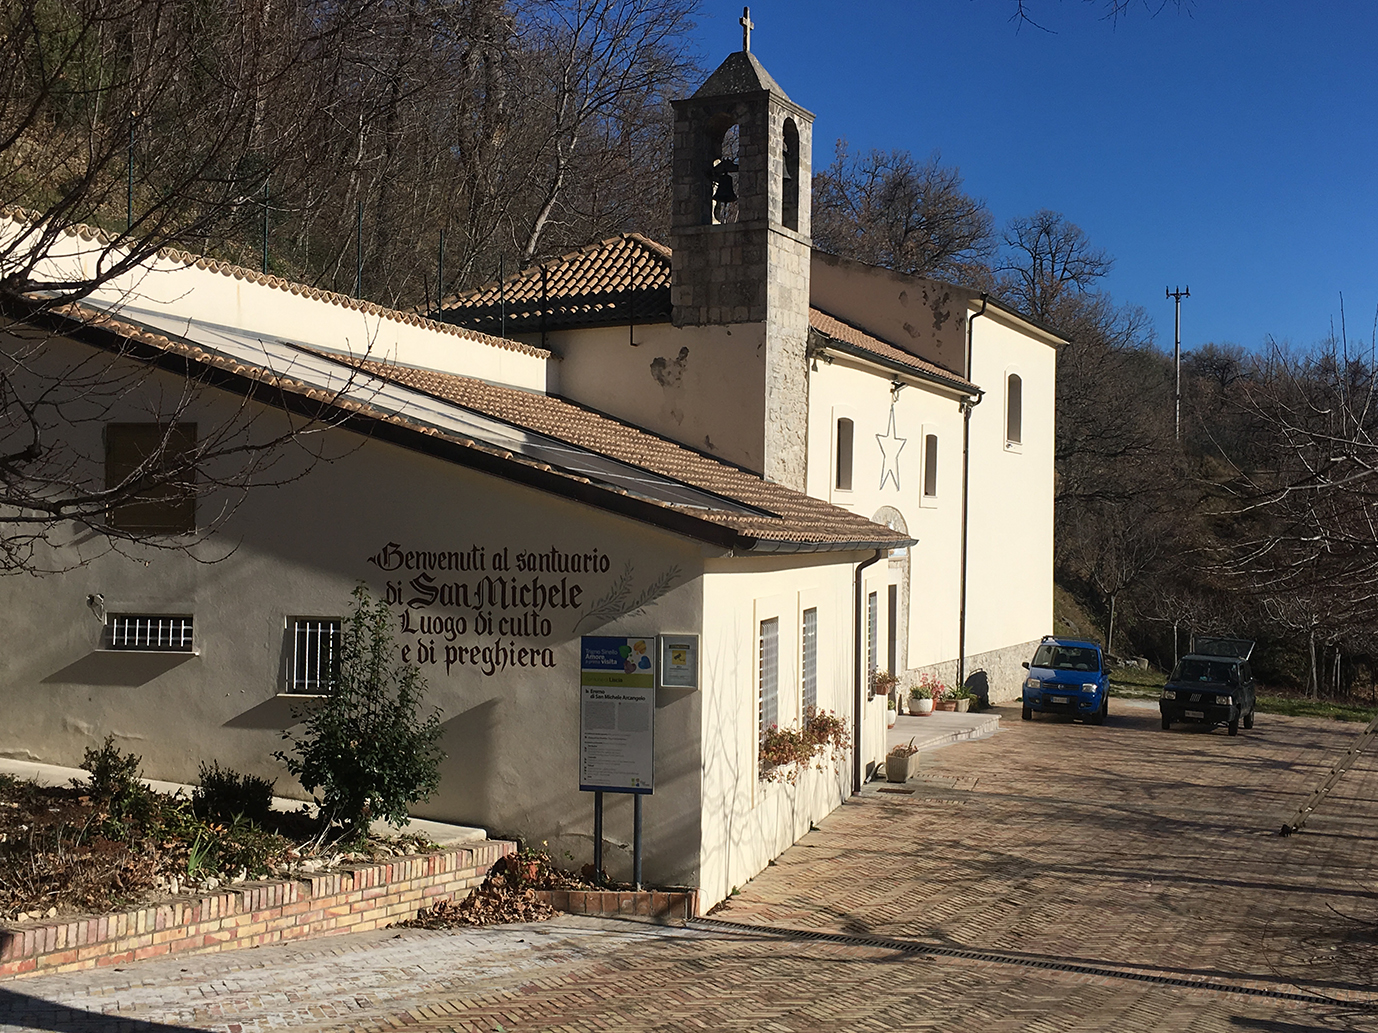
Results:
<point x="618" y="280"/>
<point x="627" y="279"/>
<point x="187" y="258"/>
<point x="790" y="519"/>
<point x="791" y="516"/>
<point x="834" y="328"/>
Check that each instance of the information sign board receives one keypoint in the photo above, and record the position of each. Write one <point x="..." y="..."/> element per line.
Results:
<point x="617" y="714"/>
<point x="679" y="661"/>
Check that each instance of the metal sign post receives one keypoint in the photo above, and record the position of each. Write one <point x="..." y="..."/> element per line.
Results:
<point x="617" y="728"/>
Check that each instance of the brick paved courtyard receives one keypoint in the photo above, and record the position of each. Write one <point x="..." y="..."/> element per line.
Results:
<point x="1082" y="874"/>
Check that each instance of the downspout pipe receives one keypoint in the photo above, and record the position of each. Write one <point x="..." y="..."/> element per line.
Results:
<point x="858" y="664"/>
<point x="967" y="405"/>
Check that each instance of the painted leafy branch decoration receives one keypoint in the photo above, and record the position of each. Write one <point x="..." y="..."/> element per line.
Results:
<point x="617" y="601"/>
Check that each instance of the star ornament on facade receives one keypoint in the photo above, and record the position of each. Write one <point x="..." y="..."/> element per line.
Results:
<point x="890" y="448"/>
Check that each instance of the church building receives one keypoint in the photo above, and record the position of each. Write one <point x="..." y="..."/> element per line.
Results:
<point x="751" y="474"/>
<point x="921" y="405"/>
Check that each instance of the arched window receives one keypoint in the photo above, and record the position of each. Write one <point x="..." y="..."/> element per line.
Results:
<point x="844" y="455"/>
<point x="722" y="177"/>
<point x="1014" y="410"/>
<point x="930" y="466"/>
<point x="789" y="187"/>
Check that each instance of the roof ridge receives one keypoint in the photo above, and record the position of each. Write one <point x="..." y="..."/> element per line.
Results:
<point x="187" y="258"/>
<point x="653" y="247"/>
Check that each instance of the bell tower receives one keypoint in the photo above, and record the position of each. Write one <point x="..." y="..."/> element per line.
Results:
<point x="740" y="236"/>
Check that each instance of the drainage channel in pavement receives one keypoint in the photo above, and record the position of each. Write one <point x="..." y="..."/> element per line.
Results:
<point x="1047" y="964"/>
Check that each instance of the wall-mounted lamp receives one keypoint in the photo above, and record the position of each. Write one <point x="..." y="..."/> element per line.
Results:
<point x="96" y="602"/>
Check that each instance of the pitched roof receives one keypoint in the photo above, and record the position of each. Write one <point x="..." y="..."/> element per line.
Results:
<point x="740" y="73"/>
<point x="238" y="272"/>
<point x="753" y="514"/>
<point x="616" y="281"/>
<point x="839" y="333"/>
<point x="627" y="279"/>
<point x="781" y="514"/>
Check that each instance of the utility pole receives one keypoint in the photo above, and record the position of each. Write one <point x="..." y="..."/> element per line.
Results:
<point x="1177" y="295"/>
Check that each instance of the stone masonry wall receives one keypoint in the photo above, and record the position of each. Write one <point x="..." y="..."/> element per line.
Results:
<point x="1004" y="667"/>
<point x="248" y="916"/>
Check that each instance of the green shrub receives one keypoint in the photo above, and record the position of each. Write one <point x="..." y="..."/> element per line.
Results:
<point x="115" y="785"/>
<point x="365" y="746"/>
<point x="225" y="794"/>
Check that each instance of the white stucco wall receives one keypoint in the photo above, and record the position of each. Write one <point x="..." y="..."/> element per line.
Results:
<point x="298" y="550"/>
<point x="1010" y="565"/>
<point x="169" y="291"/>
<point x="703" y="386"/>
<point x="747" y="821"/>
<point x="925" y="317"/>
<point x="842" y="389"/>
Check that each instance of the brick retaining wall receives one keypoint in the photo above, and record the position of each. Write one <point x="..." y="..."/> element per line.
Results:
<point x="665" y="904"/>
<point x="264" y="912"/>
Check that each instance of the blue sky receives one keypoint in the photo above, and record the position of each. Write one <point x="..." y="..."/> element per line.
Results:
<point x="1231" y="147"/>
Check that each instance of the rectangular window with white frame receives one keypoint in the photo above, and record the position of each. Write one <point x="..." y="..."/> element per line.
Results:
<point x="315" y="667"/>
<point x="1014" y="411"/>
<point x="929" y="496"/>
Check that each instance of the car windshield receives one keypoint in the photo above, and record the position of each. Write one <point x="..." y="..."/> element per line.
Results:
<point x="1204" y="670"/>
<point x="1066" y="658"/>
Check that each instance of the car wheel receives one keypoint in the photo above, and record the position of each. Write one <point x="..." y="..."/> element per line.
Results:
<point x="1233" y="726"/>
<point x="1249" y="719"/>
<point x="1166" y="724"/>
<point x="1027" y="715"/>
<point x="1098" y="718"/>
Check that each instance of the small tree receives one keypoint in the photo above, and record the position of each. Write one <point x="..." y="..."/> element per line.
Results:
<point x="366" y="747"/>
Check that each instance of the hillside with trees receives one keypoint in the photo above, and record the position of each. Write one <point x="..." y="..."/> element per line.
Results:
<point x="401" y="150"/>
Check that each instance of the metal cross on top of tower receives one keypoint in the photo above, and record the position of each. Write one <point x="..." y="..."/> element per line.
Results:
<point x="747" y="25"/>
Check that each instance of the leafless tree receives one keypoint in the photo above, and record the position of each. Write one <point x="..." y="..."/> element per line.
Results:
<point x="1029" y="13"/>
<point x="888" y="209"/>
<point x="1047" y="260"/>
<point x="1305" y="496"/>
<point x="127" y="126"/>
<point x="331" y="143"/>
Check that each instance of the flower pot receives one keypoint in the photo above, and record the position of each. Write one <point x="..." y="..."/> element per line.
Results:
<point x="920" y="707"/>
<point x="890" y="717"/>
<point x="945" y="704"/>
<point x="962" y="705"/>
<point x="899" y="768"/>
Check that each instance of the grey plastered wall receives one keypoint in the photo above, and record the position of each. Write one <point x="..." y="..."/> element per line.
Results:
<point x="298" y="550"/>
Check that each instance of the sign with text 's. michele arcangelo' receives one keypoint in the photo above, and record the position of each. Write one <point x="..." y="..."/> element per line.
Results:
<point x="617" y="700"/>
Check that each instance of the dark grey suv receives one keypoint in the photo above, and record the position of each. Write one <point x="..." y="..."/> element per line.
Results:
<point x="1212" y="685"/>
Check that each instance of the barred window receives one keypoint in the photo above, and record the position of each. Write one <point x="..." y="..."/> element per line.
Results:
<point x="872" y="626"/>
<point x="172" y="634"/>
<point x="768" y="699"/>
<point x="315" y="654"/>
<point x="810" y="658"/>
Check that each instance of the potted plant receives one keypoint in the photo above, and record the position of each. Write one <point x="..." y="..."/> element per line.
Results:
<point x="921" y="700"/>
<point x="902" y="763"/>
<point x="891" y="712"/>
<point x="962" y="698"/>
<point x="883" y="683"/>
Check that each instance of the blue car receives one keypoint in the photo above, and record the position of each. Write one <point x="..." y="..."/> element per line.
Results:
<point x="1067" y="676"/>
